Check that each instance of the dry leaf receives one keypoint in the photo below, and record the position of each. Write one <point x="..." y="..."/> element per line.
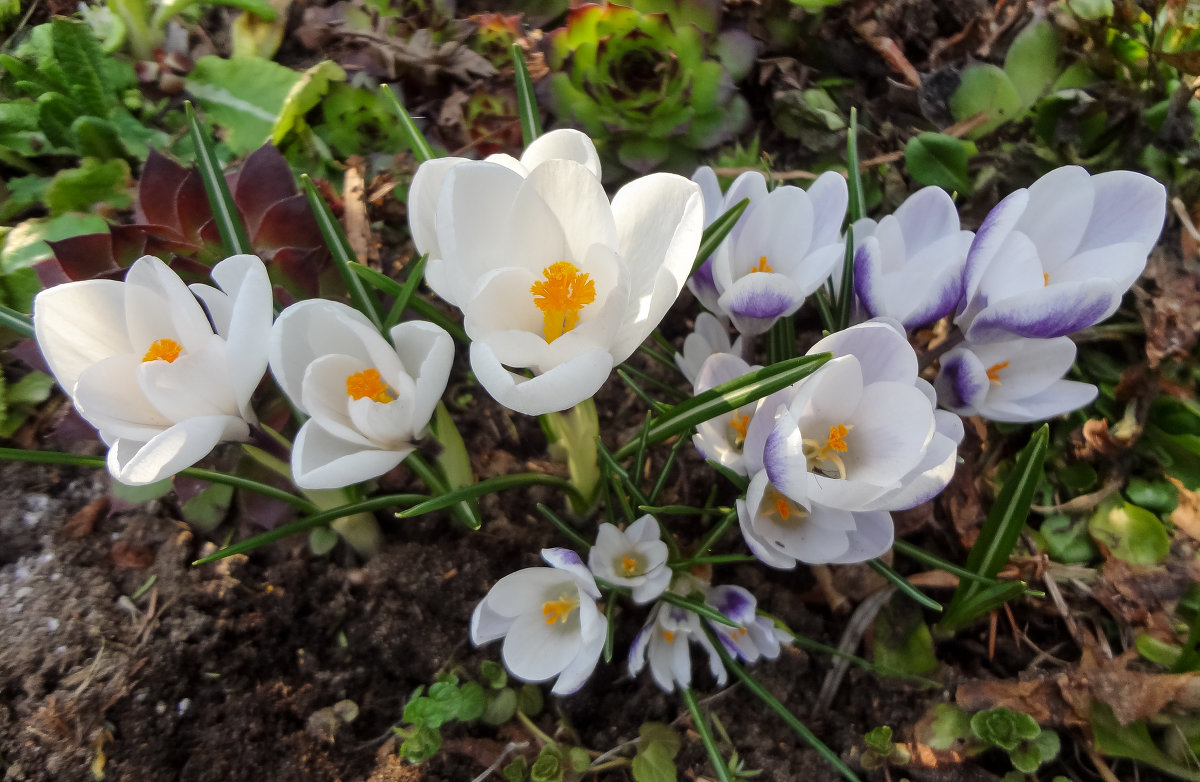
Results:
<point x="1186" y="515"/>
<point x="84" y="520"/>
<point x="125" y="555"/>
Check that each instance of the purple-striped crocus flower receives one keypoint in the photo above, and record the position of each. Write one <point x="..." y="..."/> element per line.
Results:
<point x="1057" y="257"/>
<point x="1016" y="380"/>
<point x="909" y="265"/>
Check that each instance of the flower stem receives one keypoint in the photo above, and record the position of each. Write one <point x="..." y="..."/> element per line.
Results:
<point x="706" y="737"/>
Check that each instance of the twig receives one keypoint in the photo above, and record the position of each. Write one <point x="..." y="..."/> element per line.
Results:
<point x="860" y="620"/>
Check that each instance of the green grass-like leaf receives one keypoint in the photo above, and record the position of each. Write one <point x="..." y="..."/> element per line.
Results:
<point x="715" y="233"/>
<point x="531" y="121"/>
<point x="416" y="142"/>
<point x="999" y="535"/>
<point x="726" y="397"/>
<point x="225" y="212"/>
<point x="343" y="256"/>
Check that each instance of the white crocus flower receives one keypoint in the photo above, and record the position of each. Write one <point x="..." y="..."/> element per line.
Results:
<point x="161" y="380"/>
<point x="909" y="265"/>
<point x="368" y="400"/>
<point x="1058" y="257"/>
<point x="723" y="438"/>
<point x="664" y="641"/>
<point x="634" y="558"/>
<point x="708" y="338"/>
<point x="1016" y="380"/>
<point x="552" y="277"/>
<point x="783" y="248"/>
<point x="548" y="620"/>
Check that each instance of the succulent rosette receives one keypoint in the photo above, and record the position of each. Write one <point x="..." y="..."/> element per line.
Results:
<point x="551" y="276"/>
<point x="909" y="265"/>
<point x="1057" y="257"/>
<point x="644" y="82"/>
<point x="161" y="377"/>
<point x="368" y="400"/>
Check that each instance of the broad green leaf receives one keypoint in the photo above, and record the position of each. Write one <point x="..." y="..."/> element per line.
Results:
<point x="78" y="52"/>
<point x="93" y="182"/>
<point x="303" y="96"/>
<point x="941" y="160"/>
<point x="1134" y="741"/>
<point x="1090" y="9"/>
<point x="55" y="114"/>
<point x="1032" y="61"/>
<point x="654" y="764"/>
<point x="986" y="88"/>
<point x="1130" y="533"/>
<point x="243" y="95"/>
<point x="96" y="137"/>
<point x="26" y="244"/>
<point x="659" y="733"/>
<point x="209" y="507"/>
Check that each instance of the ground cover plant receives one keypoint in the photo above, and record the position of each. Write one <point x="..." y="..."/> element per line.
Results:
<point x="682" y="391"/>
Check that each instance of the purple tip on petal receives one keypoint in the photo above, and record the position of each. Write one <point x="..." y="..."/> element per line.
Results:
<point x="703" y="277"/>
<point x="762" y="304"/>
<point x="963" y="385"/>
<point x="775" y="456"/>
<point x="561" y="557"/>
<point x="735" y="602"/>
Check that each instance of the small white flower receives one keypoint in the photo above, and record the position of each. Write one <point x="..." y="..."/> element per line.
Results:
<point x="161" y="380"/>
<point x="664" y="641"/>
<point x="368" y="400"/>
<point x="723" y="438"/>
<point x="709" y="337"/>
<point x="550" y="275"/>
<point x="635" y="558"/>
<point x="548" y="620"/>
<point x="756" y="635"/>
<point x="1015" y="380"/>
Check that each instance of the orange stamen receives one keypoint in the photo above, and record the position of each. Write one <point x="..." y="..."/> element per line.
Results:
<point x="559" y="610"/>
<point x="667" y="634"/>
<point x="628" y="566"/>
<point x="837" y="441"/>
<point x="560" y="296"/>
<point x="763" y="266"/>
<point x="163" y="350"/>
<point x="993" y="372"/>
<point x="739" y="424"/>
<point x="368" y="384"/>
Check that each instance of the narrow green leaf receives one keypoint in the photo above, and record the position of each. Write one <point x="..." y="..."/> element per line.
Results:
<point x="464" y="509"/>
<point x="921" y="555"/>
<point x="343" y="256"/>
<point x="11" y="319"/>
<point x="901" y="583"/>
<point x="311" y="522"/>
<point x="858" y="204"/>
<point x="773" y="703"/>
<point x="565" y="528"/>
<point x="665" y="470"/>
<point x="697" y="607"/>
<point x="416" y="273"/>
<point x="706" y="737"/>
<point x="844" y="306"/>
<point x="1002" y="527"/>
<point x="531" y="121"/>
<point x="715" y="233"/>
<point x="225" y="212"/>
<point x="726" y="397"/>
<point x="436" y="316"/>
<point x="654" y="404"/>
<point x="489" y="486"/>
<point x="416" y="142"/>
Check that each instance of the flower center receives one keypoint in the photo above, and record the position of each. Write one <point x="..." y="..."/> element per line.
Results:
<point x="786" y="511"/>
<point x="560" y="296"/>
<point x="762" y="266"/>
<point x="830" y="451"/>
<point x="369" y="385"/>
<point x="739" y="424"/>
<point x="559" y="610"/>
<point x="993" y="372"/>
<point x="630" y="566"/>
<point x="1045" y="279"/>
<point x="669" y="636"/>
<point x="163" y="350"/>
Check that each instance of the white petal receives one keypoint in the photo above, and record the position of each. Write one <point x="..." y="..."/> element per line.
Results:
<point x="427" y="353"/>
<point x="174" y="449"/>
<point x="562" y="144"/>
<point x="871" y="538"/>
<point x="487" y="625"/>
<point x="1060" y="206"/>
<point x="578" y="200"/>
<point x="159" y="306"/>
<point x="308" y="330"/>
<point x="830" y="196"/>
<point x="564" y="386"/>
<point x="322" y="461"/>
<point x="535" y="651"/>
<point x="78" y="324"/>
<point x="423" y="195"/>
<point x="244" y="279"/>
<point x="1129" y="207"/>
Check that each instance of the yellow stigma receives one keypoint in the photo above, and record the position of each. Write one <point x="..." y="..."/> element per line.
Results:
<point x="763" y="266"/>
<point x="163" y="350"/>
<point x="775" y="504"/>
<point x="739" y="424"/>
<point x="993" y="372"/>
<point x="669" y="636"/>
<point x="369" y="385"/>
<point x="830" y="451"/>
<point x="559" y="610"/>
<point x="560" y="296"/>
<point x="1045" y="279"/>
<point x="629" y="566"/>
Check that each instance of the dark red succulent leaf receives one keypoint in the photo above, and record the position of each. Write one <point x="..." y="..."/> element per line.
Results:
<point x="302" y="268"/>
<point x="286" y="223"/>
<point x="263" y="180"/>
<point x="77" y="258"/>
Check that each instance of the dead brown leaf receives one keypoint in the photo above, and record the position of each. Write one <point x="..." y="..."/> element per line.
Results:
<point x="1186" y="515"/>
<point x="1039" y="698"/>
<point x="358" y="226"/>
<point x="84" y="520"/>
<point x="1099" y="441"/>
<point x="890" y="51"/>
<point x="1141" y="596"/>
<point x="1171" y="311"/>
<point x="125" y="555"/>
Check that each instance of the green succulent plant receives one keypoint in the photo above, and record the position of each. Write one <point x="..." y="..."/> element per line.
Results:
<point x="650" y="91"/>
